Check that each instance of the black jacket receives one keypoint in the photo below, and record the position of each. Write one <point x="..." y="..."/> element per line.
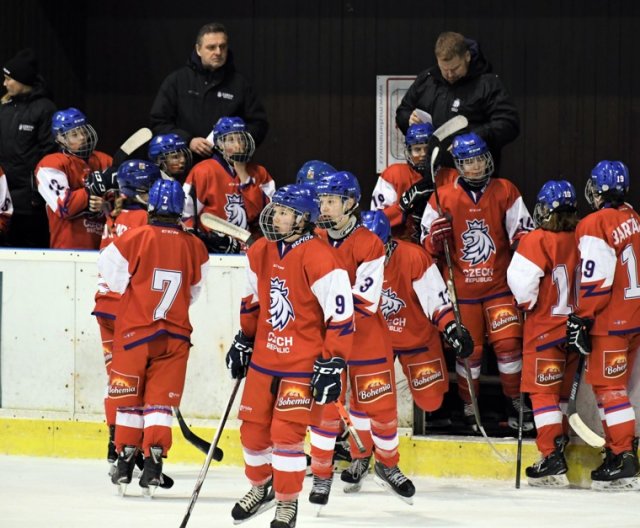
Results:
<point x="25" y="138"/>
<point x="479" y="96"/>
<point x="192" y="99"/>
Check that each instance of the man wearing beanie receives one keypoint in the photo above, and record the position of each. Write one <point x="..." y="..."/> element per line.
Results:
<point x="25" y="137"/>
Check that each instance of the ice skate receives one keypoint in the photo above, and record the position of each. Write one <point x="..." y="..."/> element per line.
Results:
<point x="355" y="474"/>
<point x="124" y="468"/>
<point x="112" y="454"/>
<point x="286" y="514"/>
<point x="550" y="471"/>
<point x="341" y="453"/>
<point x="470" y="418"/>
<point x="392" y="479"/>
<point x="319" y="495"/>
<point x="618" y="472"/>
<point x="513" y="412"/>
<point x="151" y="476"/>
<point x="256" y="500"/>
<point x="167" y="481"/>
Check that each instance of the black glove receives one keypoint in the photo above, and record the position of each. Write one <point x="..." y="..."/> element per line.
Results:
<point x="218" y="243"/>
<point x="99" y="183"/>
<point x="239" y="355"/>
<point x="326" y="382"/>
<point x="463" y="344"/>
<point x="578" y="338"/>
<point x="416" y="196"/>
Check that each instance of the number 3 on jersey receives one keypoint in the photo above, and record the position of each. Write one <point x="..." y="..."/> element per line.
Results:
<point x="168" y="282"/>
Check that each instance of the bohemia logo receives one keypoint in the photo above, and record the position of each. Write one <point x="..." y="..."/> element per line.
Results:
<point x="478" y="245"/>
<point x="293" y="396"/>
<point x="391" y="303"/>
<point x="549" y="371"/>
<point x="280" y="308"/>
<point x="424" y="375"/>
<point x="502" y="316"/>
<point x="235" y="210"/>
<point x="372" y="387"/>
<point x="615" y="363"/>
<point x="123" y="385"/>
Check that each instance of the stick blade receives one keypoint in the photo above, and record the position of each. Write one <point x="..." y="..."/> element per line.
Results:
<point x="583" y="431"/>
<point x="452" y="126"/>
<point x="215" y="223"/>
<point x="136" y="140"/>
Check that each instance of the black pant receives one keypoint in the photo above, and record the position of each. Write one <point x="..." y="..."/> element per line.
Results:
<point x="29" y="230"/>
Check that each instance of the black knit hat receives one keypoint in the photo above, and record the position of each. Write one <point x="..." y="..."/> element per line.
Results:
<point x="23" y="67"/>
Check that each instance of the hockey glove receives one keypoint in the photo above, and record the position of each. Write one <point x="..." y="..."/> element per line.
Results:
<point x="440" y="231"/>
<point x="326" y="382"/>
<point x="219" y="243"/>
<point x="239" y="355"/>
<point x="99" y="183"/>
<point x="463" y="344"/>
<point x="578" y="338"/>
<point x="418" y="193"/>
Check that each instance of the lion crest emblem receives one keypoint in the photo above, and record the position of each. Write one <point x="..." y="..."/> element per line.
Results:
<point x="478" y="244"/>
<point x="391" y="303"/>
<point x="236" y="213"/>
<point x="279" y="306"/>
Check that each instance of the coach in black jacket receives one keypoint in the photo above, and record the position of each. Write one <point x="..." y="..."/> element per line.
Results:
<point x="208" y="87"/>
<point x="25" y="137"/>
<point x="462" y="84"/>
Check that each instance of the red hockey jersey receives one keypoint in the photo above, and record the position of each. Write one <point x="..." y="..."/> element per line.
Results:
<point x="160" y="270"/>
<point x="484" y="225"/>
<point x="542" y="278"/>
<point x="298" y="306"/>
<point x="414" y="297"/>
<point x="212" y="187"/>
<point x="609" y="244"/>
<point x="60" y="178"/>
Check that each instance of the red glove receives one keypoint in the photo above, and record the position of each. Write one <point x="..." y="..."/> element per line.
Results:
<point x="440" y="231"/>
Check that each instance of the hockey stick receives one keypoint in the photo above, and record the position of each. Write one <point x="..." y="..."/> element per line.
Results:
<point x="519" y="454"/>
<point x="216" y="223"/>
<point x="580" y="428"/>
<point x="455" y="124"/>
<point x="212" y="448"/>
<point x="194" y="439"/>
<point x="133" y="143"/>
<point x="456" y="312"/>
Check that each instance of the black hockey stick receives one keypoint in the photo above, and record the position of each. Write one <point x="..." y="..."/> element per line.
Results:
<point x="212" y="448"/>
<point x="194" y="439"/>
<point x="519" y="454"/>
<point x="580" y="428"/>
<point x="456" y="309"/>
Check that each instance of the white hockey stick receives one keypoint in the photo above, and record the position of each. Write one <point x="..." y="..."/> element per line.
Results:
<point x="215" y="223"/>
<point x="455" y="124"/>
<point x="133" y="143"/>
<point x="581" y="429"/>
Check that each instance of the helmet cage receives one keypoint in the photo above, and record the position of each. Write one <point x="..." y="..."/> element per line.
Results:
<point x="481" y="179"/>
<point x="86" y="148"/>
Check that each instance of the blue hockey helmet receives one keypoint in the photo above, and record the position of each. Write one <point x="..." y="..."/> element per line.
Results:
<point x="343" y="184"/>
<point x="469" y="151"/>
<point x="608" y="184"/>
<point x="171" y="153"/>
<point x="72" y="131"/>
<point x="555" y="195"/>
<point x="302" y="200"/>
<point x="135" y="177"/>
<point x="415" y="145"/>
<point x="378" y="223"/>
<point x="232" y="139"/>
<point x="312" y="171"/>
<point x="166" y="198"/>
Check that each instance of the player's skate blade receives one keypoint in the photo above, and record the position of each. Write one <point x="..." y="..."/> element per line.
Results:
<point x="622" y="484"/>
<point x="550" y="481"/>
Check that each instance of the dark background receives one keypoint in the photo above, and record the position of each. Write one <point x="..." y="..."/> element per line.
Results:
<point x="571" y="67"/>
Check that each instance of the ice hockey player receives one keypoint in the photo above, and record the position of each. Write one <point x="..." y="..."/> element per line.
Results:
<point x="296" y="334"/>
<point x="171" y="153"/>
<point x="541" y="276"/>
<point x="227" y="185"/>
<point x="312" y="170"/>
<point x="74" y="221"/>
<point x="373" y="405"/>
<point x="482" y="219"/>
<point x="403" y="189"/>
<point x="415" y="304"/>
<point x="604" y="325"/>
<point x="159" y="269"/>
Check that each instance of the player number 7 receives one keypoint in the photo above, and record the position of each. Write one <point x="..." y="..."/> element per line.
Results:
<point x="168" y="282"/>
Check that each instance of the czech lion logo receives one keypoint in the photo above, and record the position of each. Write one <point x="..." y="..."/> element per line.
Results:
<point x="391" y="303"/>
<point x="235" y="210"/>
<point x="478" y="244"/>
<point x="279" y="306"/>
